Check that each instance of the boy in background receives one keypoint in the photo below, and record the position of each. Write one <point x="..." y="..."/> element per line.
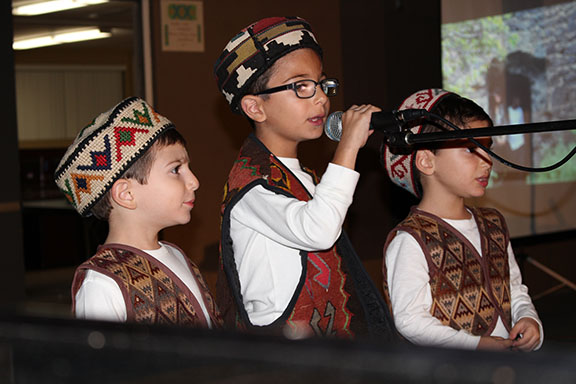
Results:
<point x="286" y="263"/>
<point x="131" y="168"/>
<point x="449" y="270"/>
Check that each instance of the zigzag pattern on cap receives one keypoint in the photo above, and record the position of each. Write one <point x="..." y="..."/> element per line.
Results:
<point x="105" y="149"/>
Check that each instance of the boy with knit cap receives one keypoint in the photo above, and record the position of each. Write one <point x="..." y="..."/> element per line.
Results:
<point x="449" y="269"/>
<point x="286" y="264"/>
<point x="131" y="168"/>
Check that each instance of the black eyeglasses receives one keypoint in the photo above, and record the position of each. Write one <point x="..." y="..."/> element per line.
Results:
<point x="306" y="89"/>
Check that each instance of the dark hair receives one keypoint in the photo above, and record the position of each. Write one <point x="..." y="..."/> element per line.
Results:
<point x="258" y="85"/>
<point x="139" y="170"/>
<point x="459" y="111"/>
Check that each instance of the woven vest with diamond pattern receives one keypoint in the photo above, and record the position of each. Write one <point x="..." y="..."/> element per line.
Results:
<point x="469" y="291"/>
<point x="153" y="294"/>
<point x="335" y="296"/>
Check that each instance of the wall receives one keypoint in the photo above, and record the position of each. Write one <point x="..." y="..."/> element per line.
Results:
<point x="390" y="50"/>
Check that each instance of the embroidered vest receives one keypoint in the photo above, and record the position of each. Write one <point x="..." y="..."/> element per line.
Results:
<point x="153" y="294"/>
<point x="469" y="290"/>
<point x="335" y="296"/>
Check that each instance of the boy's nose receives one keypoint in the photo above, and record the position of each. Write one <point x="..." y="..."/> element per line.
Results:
<point x="193" y="182"/>
<point x="484" y="157"/>
<point x="320" y="96"/>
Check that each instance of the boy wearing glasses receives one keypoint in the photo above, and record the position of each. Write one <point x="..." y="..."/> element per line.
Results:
<point x="287" y="266"/>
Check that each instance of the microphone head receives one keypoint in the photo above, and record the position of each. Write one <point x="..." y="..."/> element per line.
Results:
<point x="333" y="126"/>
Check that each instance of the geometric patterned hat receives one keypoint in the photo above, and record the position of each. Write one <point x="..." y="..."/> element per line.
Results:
<point x="105" y="149"/>
<point x="400" y="166"/>
<point x="255" y="49"/>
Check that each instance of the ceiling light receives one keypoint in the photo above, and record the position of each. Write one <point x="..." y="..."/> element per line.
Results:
<point x="31" y="8"/>
<point x="61" y="37"/>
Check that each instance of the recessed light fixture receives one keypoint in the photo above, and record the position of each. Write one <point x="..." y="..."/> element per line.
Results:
<point x="31" y="8"/>
<point x="60" y="37"/>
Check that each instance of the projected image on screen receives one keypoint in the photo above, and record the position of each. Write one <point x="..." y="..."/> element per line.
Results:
<point x="520" y="66"/>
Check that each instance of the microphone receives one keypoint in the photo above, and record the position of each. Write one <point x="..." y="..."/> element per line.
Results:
<point x="387" y="122"/>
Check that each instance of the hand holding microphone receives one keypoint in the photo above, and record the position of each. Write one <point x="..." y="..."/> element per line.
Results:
<point x="357" y="120"/>
<point x="355" y="135"/>
<point x="388" y="122"/>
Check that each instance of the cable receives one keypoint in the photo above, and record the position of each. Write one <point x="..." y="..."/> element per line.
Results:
<point x="501" y="159"/>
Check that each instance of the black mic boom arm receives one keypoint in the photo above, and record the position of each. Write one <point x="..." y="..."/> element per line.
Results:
<point x="408" y="138"/>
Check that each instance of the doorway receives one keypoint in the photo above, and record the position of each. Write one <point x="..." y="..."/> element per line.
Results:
<point x="59" y="90"/>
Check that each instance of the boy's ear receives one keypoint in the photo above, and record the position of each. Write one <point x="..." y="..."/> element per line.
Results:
<point x="253" y="108"/>
<point x="425" y="161"/>
<point x="122" y="194"/>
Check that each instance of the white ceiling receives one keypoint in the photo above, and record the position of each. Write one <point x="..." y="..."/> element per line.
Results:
<point x="116" y="16"/>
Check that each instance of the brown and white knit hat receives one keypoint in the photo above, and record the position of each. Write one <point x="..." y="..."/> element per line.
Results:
<point x="105" y="149"/>
<point x="398" y="164"/>
<point x="255" y="49"/>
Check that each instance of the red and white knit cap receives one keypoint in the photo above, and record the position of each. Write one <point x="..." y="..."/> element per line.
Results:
<point x="400" y="166"/>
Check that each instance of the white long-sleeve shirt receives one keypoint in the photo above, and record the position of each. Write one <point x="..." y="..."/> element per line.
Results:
<point x="268" y="230"/>
<point x="411" y="296"/>
<point x="100" y="297"/>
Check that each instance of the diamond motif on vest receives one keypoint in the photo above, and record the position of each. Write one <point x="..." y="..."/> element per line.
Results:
<point x="480" y="326"/>
<point x="436" y="257"/>
<point x="139" y="300"/>
<point x="184" y="315"/>
<point x="459" y="277"/>
<point x="439" y="314"/>
<point x="443" y="285"/>
<point x="471" y="296"/>
<point x="455" y="249"/>
<point x="462" y="310"/>
<point x="135" y="275"/>
<point x="161" y="291"/>
<point x="505" y="297"/>
<point x="163" y="318"/>
<point x="447" y="304"/>
<point x="155" y="298"/>
<point x="485" y="302"/>
<point x="453" y="270"/>
<point x="471" y="279"/>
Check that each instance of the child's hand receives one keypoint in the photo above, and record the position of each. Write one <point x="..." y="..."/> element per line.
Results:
<point x="494" y="343"/>
<point x="355" y="133"/>
<point x="356" y="124"/>
<point x="525" y="335"/>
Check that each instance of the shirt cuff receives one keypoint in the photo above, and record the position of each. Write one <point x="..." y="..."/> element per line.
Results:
<point x="341" y="177"/>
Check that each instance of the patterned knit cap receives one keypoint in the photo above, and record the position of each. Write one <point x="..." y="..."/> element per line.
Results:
<point x="398" y="164"/>
<point x="255" y="49"/>
<point x="105" y="149"/>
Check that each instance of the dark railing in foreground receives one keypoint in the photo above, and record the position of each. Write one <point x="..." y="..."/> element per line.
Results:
<point x="41" y="350"/>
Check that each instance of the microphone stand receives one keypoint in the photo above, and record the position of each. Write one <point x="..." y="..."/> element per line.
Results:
<point x="407" y="137"/>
